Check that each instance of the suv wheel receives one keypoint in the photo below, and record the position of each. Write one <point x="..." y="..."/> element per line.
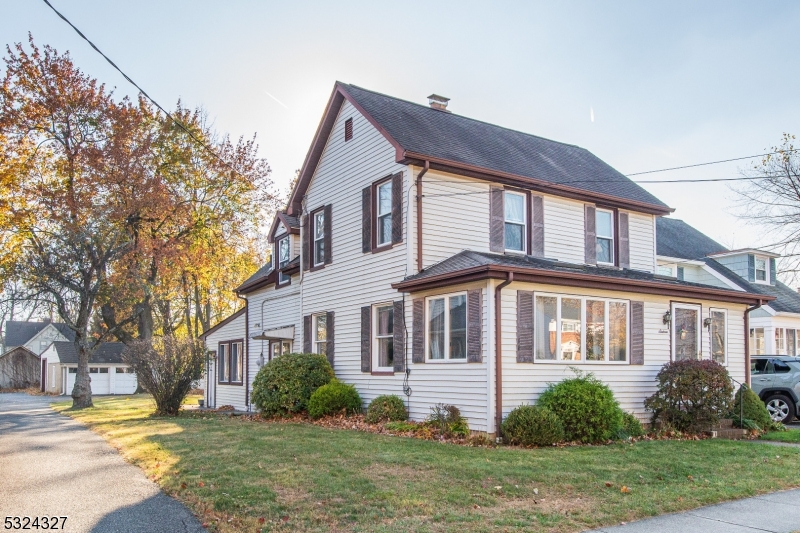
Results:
<point x="781" y="408"/>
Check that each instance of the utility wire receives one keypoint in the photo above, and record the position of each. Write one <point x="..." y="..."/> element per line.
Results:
<point x="168" y="114"/>
<point x="709" y="163"/>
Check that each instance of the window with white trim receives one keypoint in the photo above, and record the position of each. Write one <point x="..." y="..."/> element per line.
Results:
<point x="580" y="329"/>
<point x="666" y="271"/>
<point x="319" y="237"/>
<point x="383" y="235"/>
<point x="604" y="228"/>
<point x="718" y="331"/>
<point x="515" y="220"/>
<point x="757" y="345"/>
<point x="780" y="341"/>
<point x="278" y="348"/>
<point x="383" y="336"/>
<point x="762" y="270"/>
<point x="446" y="328"/>
<point x="685" y="332"/>
<point x="284" y="250"/>
<point x="320" y="329"/>
<point x="791" y="342"/>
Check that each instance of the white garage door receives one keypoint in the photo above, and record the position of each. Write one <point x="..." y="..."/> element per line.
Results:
<point x="124" y="381"/>
<point x="100" y="381"/>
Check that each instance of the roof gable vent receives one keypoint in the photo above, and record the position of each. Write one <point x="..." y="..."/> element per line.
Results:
<point x="438" y="102"/>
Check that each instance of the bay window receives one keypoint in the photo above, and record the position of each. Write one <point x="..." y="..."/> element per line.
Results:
<point x="515" y="222"/>
<point x="604" y="226"/>
<point x="685" y="332"/>
<point x="579" y="328"/>
<point x="447" y="328"/>
<point x="719" y="336"/>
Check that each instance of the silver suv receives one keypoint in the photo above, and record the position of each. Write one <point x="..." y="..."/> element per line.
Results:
<point x="776" y="380"/>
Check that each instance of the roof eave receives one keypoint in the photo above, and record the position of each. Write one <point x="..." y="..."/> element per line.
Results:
<point x="576" y="279"/>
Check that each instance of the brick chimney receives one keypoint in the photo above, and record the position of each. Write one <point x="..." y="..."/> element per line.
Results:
<point x="438" y="102"/>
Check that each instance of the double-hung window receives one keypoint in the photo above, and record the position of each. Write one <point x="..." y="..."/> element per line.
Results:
<point x="283" y="259"/>
<point x="791" y="342"/>
<point x="515" y="218"/>
<point x="685" y="332"/>
<point x="757" y="345"/>
<point x="447" y="328"/>
<point x="780" y="341"/>
<point x="230" y="362"/>
<point x="604" y="226"/>
<point x="761" y="269"/>
<point x="719" y="335"/>
<point x="320" y="329"/>
<point x="383" y="336"/>
<point x="319" y="238"/>
<point x="383" y="211"/>
<point x="580" y="328"/>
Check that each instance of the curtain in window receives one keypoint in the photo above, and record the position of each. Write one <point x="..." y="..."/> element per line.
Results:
<point x="436" y="328"/>
<point x="545" y="328"/>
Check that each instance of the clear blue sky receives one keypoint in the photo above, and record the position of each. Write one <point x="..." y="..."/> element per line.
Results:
<point x="670" y="83"/>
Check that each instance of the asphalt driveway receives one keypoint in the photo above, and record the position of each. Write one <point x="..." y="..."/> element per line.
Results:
<point x="51" y="465"/>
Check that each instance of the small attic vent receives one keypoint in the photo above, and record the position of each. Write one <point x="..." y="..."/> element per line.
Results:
<point x="348" y="129"/>
<point x="438" y="102"/>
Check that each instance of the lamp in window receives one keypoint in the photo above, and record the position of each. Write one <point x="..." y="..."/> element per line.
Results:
<point x="667" y="317"/>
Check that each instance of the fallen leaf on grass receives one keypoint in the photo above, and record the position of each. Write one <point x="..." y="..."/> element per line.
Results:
<point x="624" y="489"/>
<point x="261" y="520"/>
<point x="609" y="484"/>
<point x="201" y="484"/>
<point x="183" y="485"/>
<point x="690" y="478"/>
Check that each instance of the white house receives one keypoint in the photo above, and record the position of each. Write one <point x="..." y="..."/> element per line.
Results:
<point x="448" y="260"/>
<point x="108" y="373"/>
<point x="687" y="254"/>
<point x="35" y="336"/>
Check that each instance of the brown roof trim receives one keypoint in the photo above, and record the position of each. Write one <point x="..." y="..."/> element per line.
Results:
<point x="257" y="284"/>
<point x="226" y="321"/>
<point x="532" y="184"/>
<point x="325" y="127"/>
<point x="577" y="279"/>
<point x="281" y="217"/>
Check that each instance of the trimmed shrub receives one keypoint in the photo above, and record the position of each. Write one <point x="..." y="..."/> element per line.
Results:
<point x="334" y="398"/>
<point x="532" y="425"/>
<point x="448" y="419"/>
<point x="388" y="408"/>
<point x="692" y="396"/>
<point x="284" y="385"/>
<point x="753" y="410"/>
<point x="586" y="407"/>
<point x="631" y="427"/>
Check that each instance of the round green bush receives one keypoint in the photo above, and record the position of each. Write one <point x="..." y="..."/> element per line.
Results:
<point x="388" y="408"/>
<point x="586" y="407"/>
<point x="284" y="385"/>
<point x="532" y="425"/>
<point x="692" y="396"/>
<point x="334" y="398"/>
<point x="753" y="409"/>
<point x="631" y="426"/>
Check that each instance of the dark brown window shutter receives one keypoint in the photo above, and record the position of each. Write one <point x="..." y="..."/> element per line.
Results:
<point x="399" y="340"/>
<point x="331" y="336"/>
<point x="537" y="226"/>
<point x="397" y="208"/>
<point x="348" y="129"/>
<point x="328" y="235"/>
<point x="474" y="326"/>
<point x="637" y="333"/>
<point x="590" y="232"/>
<point x="524" y="327"/>
<point x="624" y="242"/>
<point x="366" y="220"/>
<point x="366" y="339"/>
<point x="497" y="222"/>
<point x="307" y="334"/>
<point x="418" y="335"/>
<point x="305" y="229"/>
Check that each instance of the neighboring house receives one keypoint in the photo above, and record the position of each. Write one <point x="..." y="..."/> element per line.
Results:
<point x="687" y="254"/>
<point x="109" y="374"/>
<point x="453" y="261"/>
<point x="19" y="369"/>
<point x="35" y="336"/>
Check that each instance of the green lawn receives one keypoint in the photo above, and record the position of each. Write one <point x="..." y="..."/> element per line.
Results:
<point x="791" y="435"/>
<point x="299" y="477"/>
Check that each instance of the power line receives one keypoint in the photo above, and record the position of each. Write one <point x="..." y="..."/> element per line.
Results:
<point x="709" y="163"/>
<point x="168" y="114"/>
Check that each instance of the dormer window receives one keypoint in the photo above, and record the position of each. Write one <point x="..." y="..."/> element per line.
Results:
<point x="514" y="206"/>
<point x="604" y="224"/>
<point x="762" y="274"/>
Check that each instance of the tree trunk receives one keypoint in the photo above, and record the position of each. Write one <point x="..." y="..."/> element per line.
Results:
<point x="82" y="391"/>
<point x="145" y="319"/>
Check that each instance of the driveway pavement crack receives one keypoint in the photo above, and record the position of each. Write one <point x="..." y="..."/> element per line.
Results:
<point x="731" y="523"/>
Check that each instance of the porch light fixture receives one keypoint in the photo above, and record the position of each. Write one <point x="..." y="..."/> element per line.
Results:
<point x="707" y="322"/>
<point x="261" y="360"/>
<point x="667" y="317"/>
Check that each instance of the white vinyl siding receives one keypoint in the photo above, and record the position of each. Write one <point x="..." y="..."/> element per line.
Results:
<point x="563" y="229"/>
<point x="641" y="229"/>
<point x="227" y="394"/>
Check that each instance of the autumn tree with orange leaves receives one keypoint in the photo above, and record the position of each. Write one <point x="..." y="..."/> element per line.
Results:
<point x="114" y="214"/>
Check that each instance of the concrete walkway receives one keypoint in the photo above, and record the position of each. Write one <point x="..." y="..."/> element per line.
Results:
<point x="778" y="512"/>
<point x="51" y="465"/>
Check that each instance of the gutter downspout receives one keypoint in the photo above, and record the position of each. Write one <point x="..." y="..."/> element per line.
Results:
<point x="498" y="355"/>
<point x="747" y="340"/>
<point x="419" y="214"/>
<point x="246" y="351"/>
